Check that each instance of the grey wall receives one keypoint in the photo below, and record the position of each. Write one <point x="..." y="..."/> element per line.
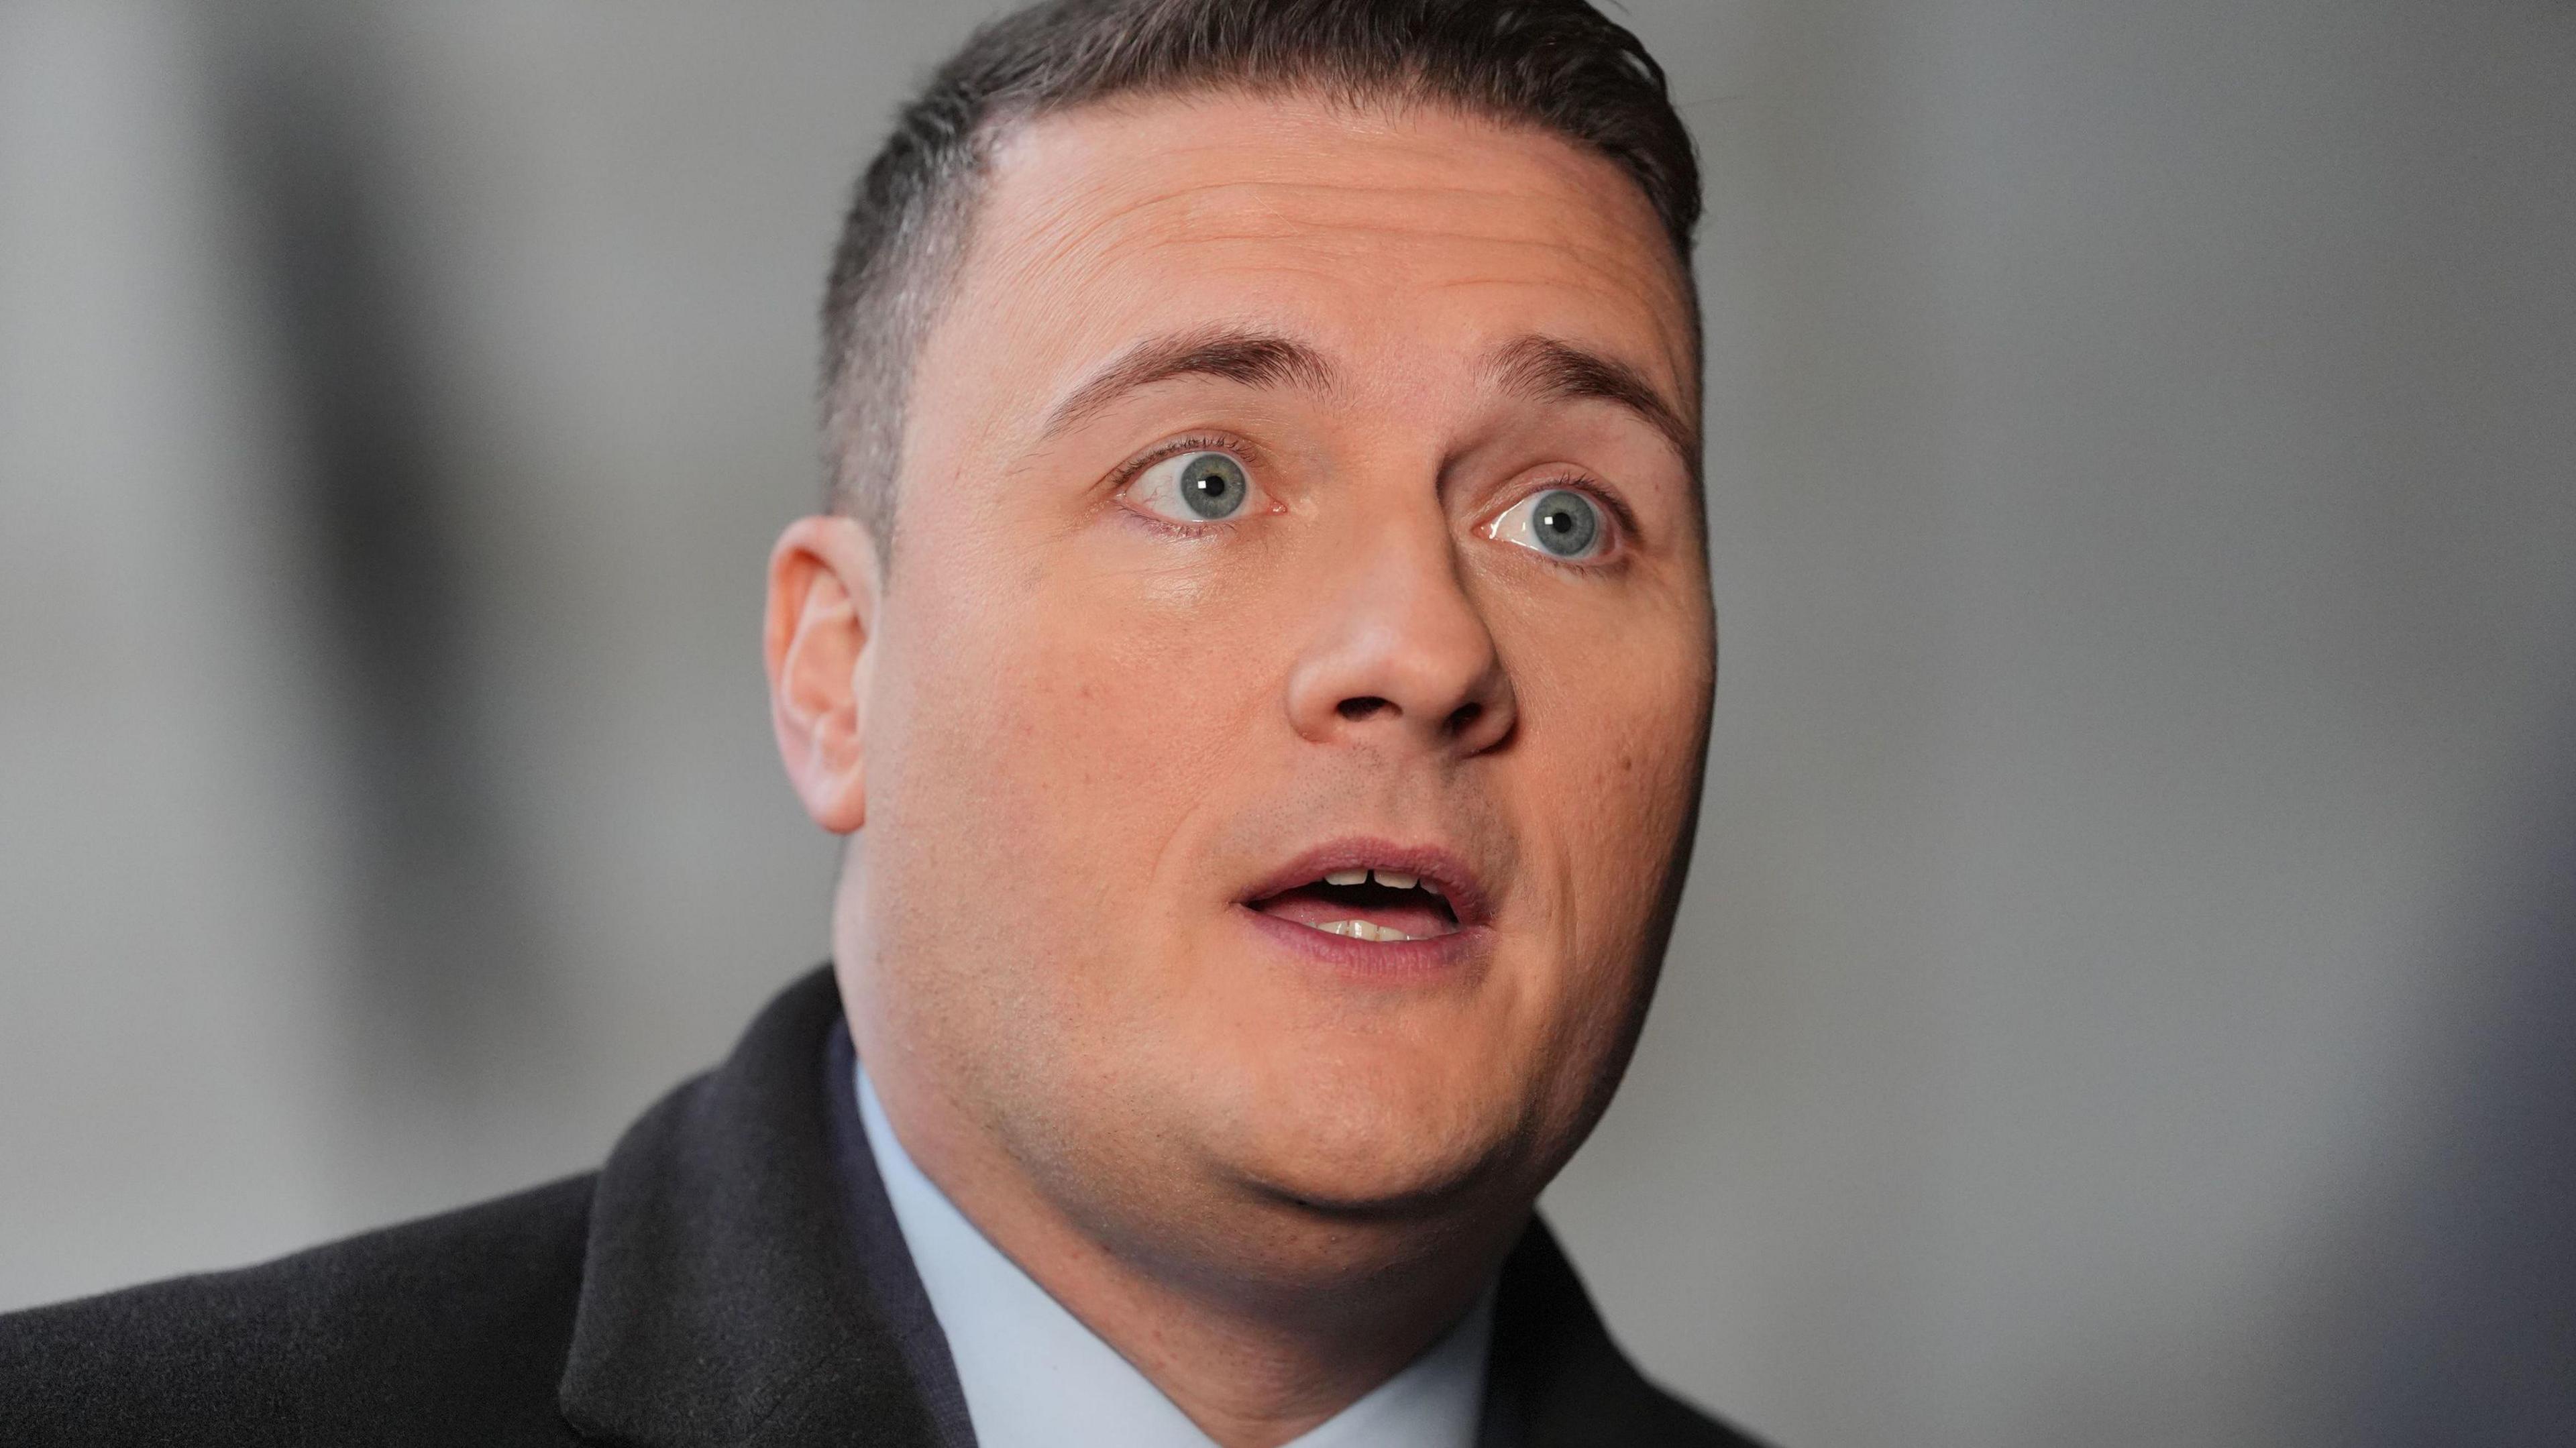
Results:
<point x="2127" y="985"/>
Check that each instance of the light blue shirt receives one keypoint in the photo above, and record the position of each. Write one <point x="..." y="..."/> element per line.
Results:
<point x="1035" y="1377"/>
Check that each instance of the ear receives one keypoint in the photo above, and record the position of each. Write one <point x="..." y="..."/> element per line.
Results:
<point x="823" y="601"/>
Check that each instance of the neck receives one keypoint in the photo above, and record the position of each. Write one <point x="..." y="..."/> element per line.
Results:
<point x="1254" y="1357"/>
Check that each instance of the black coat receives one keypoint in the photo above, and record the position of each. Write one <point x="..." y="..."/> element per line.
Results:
<point x="732" y="1276"/>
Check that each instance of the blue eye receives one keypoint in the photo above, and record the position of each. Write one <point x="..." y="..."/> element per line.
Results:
<point x="1194" y="487"/>
<point x="1559" y="522"/>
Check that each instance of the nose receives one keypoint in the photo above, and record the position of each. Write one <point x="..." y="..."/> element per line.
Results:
<point x="1400" y="654"/>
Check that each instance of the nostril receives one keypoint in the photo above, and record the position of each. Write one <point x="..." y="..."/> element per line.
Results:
<point x="1362" y="708"/>
<point x="1464" y="717"/>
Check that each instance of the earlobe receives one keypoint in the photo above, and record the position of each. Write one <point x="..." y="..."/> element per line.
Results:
<point x="823" y="598"/>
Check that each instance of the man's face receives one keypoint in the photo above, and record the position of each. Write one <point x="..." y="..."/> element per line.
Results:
<point x="1271" y="511"/>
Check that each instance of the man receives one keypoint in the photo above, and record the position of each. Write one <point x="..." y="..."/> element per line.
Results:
<point x="1260" y="651"/>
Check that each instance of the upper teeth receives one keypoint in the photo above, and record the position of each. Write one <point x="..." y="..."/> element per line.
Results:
<point x="1363" y="930"/>
<point x="1392" y="879"/>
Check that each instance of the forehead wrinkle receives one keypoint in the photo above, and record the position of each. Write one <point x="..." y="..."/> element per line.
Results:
<point x="1592" y="262"/>
<point x="1256" y="216"/>
<point x="1059" y="222"/>
<point x="1385" y="237"/>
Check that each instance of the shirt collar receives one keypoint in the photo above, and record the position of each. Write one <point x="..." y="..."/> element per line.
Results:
<point x="1033" y="1374"/>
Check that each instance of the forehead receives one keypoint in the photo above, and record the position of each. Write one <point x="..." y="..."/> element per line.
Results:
<point x="1399" y="237"/>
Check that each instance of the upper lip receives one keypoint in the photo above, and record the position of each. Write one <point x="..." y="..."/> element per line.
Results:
<point x="1436" y="865"/>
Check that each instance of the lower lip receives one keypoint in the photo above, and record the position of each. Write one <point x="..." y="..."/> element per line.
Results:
<point x="1389" y="962"/>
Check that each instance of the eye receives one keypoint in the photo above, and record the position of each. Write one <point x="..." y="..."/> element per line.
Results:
<point x="1194" y="487"/>
<point x="1559" y="522"/>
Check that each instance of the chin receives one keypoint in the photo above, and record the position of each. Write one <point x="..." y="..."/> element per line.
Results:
<point x="1380" y="1139"/>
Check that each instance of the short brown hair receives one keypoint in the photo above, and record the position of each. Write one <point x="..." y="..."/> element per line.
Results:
<point x="1558" y="65"/>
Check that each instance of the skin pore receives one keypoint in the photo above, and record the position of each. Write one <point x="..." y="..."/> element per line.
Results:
<point x="1091" y="735"/>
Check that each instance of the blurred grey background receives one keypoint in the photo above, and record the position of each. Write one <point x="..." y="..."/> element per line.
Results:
<point x="2128" y="989"/>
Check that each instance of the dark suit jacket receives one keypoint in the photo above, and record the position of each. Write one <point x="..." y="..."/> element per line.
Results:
<point x="732" y="1276"/>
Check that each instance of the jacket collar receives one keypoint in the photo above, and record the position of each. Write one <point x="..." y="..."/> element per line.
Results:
<point x="746" y="1286"/>
<point x="727" y="1295"/>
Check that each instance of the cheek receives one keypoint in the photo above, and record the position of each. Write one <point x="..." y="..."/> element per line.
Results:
<point x="1615" y="731"/>
<point x="1058" y="727"/>
<point x="1623" y="803"/>
<point x="1612" y="738"/>
<point x="1140" y="692"/>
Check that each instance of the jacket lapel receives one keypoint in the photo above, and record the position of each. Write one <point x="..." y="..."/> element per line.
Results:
<point x="726" y="1295"/>
<point x="1556" y="1380"/>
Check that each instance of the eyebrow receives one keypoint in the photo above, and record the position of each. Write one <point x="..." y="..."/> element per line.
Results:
<point x="1544" y="369"/>
<point x="1236" y="354"/>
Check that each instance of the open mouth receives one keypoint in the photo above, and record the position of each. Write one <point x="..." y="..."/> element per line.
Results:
<point x="1366" y="902"/>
